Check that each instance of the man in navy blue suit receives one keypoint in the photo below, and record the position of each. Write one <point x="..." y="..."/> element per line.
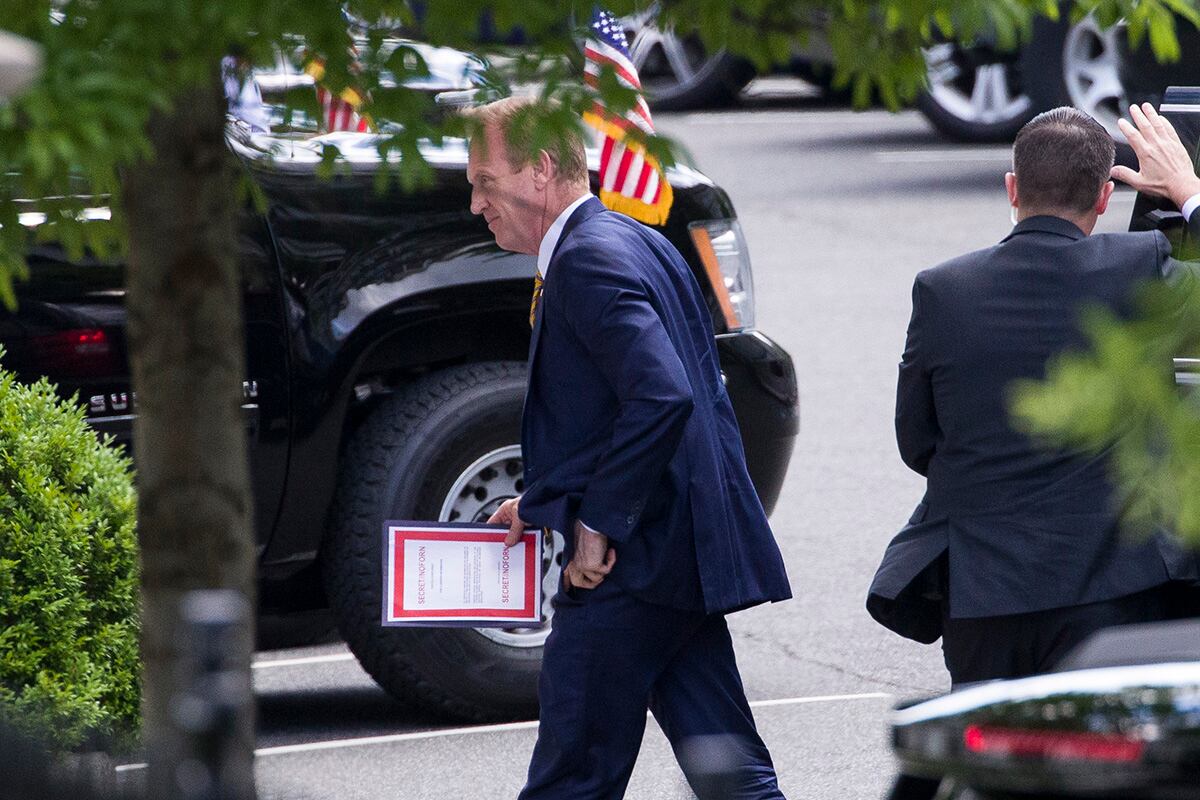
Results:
<point x="1016" y="553"/>
<point x="631" y="449"/>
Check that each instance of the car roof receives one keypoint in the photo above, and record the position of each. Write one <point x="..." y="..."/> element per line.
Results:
<point x="360" y="153"/>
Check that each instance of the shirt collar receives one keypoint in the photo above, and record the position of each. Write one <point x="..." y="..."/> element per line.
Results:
<point x="550" y="240"/>
<point x="1044" y="223"/>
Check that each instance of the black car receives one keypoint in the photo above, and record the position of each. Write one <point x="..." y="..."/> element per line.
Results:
<point x="976" y="93"/>
<point x="1120" y="720"/>
<point x="386" y="339"/>
<point x="1146" y="79"/>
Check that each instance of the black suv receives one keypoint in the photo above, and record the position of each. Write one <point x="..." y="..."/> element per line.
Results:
<point x="386" y="338"/>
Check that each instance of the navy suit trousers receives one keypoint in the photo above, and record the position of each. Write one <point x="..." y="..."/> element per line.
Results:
<point x="1017" y="645"/>
<point x="608" y="659"/>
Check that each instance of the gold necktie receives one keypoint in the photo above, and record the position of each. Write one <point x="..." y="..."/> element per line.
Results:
<point x="537" y="296"/>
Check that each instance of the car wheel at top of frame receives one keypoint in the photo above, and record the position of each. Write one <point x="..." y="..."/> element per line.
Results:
<point x="975" y="94"/>
<point x="1078" y="64"/>
<point x="676" y="71"/>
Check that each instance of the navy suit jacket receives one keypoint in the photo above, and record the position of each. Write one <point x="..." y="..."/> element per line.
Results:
<point x="1023" y="528"/>
<point x="628" y="426"/>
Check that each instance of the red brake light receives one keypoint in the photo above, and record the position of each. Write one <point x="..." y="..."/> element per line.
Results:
<point x="80" y="352"/>
<point x="1054" y="745"/>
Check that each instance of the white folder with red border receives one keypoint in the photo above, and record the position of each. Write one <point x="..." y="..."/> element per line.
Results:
<point x="454" y="574"/>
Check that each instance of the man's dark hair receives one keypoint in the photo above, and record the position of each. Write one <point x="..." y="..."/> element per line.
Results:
<point x="1062" y="157"/>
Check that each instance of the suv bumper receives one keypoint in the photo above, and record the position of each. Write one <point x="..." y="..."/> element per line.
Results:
<point x="761" y="382"/>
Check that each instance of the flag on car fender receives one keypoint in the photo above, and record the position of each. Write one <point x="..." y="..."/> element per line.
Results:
<point x="631" y="180"/>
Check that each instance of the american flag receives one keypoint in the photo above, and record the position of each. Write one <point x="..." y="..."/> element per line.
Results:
<point x="338" y="112"/>
<point x="631" y="180"/>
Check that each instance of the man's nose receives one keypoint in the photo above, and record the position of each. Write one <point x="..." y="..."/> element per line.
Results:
<point x="476" y="202"/>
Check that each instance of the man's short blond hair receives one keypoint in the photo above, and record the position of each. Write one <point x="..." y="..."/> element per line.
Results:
<point x="518" y="119"/>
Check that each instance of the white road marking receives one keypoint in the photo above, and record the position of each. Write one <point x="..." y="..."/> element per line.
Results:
<point x="295" y="662"/>
<point x="366" y="741"/>
<point x="938" y="156"/>
<point x="827" y="698"/>
<point x="395" y="737"/>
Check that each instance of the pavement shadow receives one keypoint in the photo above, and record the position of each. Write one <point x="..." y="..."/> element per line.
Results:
<point x="302" y="715"/>
<point x="972" y="179"/>
<point x="304" y="629"/>
<point x="784" y="101"/>
<point x="838" y="140"/>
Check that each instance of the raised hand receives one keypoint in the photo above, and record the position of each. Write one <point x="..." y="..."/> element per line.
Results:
<point x="1165" y="166"/>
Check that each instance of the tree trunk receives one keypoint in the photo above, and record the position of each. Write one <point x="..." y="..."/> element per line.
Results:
<point x="186" y="347"/>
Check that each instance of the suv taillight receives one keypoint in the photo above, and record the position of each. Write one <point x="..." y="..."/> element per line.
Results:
<point x="1051" y="745"/>
<point x="83" y="352"/>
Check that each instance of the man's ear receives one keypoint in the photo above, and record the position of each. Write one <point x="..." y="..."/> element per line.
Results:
<point x="544" y="169"/>
<point x="1105" y="195"/>
<point x="1010" y="184"/>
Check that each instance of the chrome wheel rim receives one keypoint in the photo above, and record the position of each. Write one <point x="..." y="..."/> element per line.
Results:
<point x="986" y="95"/>
<point x="1091" y="73"/>
<point x="473" y="497"/>
<point x="664" y="60"/>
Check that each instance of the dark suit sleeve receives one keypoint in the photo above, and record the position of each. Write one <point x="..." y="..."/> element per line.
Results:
<point x="611" y="313"/>
<point x="1193" y="224"/>
<point x="1178" y="270"/>
<point x="917" y="431"/>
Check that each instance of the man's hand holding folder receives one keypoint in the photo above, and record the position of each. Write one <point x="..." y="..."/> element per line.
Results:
<point x="593" y="559"/>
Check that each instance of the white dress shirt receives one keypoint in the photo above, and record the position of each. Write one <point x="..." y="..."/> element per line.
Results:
<point x="1189" y="206"/>
<point x="550" y="240"/>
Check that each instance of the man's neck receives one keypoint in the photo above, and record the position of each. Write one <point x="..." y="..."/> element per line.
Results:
<point x="1085" y="222"/>
<point x="557" y="202"/>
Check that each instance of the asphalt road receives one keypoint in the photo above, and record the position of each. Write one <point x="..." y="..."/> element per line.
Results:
<point x="840" y="209"/>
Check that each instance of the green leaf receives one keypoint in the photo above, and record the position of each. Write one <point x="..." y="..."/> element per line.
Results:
<point x="1163" y="41"/>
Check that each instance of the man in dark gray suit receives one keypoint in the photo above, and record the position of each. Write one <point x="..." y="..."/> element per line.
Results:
<point x="1015" y="554"/>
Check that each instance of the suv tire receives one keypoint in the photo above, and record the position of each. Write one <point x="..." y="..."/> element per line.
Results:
<point x="676" y="71"/>
<point x="973" y="95"/>
<point x="718" y="81"/>
<point x="401" y="464"/>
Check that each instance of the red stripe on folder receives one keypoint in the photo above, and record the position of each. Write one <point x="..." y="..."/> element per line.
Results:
<point x="400" y="536"/>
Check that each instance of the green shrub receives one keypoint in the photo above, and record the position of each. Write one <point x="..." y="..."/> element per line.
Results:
<point x="69" y="665"/>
